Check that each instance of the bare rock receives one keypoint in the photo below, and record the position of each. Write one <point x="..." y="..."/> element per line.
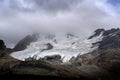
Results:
<point x="22" y="44"/>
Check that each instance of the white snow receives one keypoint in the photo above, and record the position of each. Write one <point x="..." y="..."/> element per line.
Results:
<point x="67" y="48"/>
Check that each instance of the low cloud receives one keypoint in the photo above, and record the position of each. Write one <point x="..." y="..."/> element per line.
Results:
<point x="19" y="18"/>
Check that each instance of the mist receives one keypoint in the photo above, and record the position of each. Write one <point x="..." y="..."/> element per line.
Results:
<point x="19" y="18"/>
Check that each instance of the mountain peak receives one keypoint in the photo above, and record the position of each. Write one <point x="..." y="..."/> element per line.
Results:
<point x="110" y="40"/>
<point x="105" y="32"/>
<point x="96" y="33"/>
<point x="111" y="31"/>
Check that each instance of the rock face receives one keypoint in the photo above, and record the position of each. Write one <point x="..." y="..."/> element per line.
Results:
<point x="97" y="33"/>
<point x="110" y="40"/>
<point x="81" y="60"/>
<point x="22" y="44"/>
<point x="49" y="47"/>
<point x="53" y="58"/>
<point x="2" y="45"/>
<point x="2" y="48"/>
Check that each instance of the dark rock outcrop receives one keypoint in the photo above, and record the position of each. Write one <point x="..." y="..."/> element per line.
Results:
<point x="111" y="31"/>
<point x="105" y="32"/>
<point x="97" y="33"/>
<point x="22" y="44"/>
<point x="49" y="47"/>
<point x="2" y="49"/>
<point x="111" y="40"/>
<point x="53" y="58"/>
<point x="81" y="60"/>
<point x="2" y="45"/>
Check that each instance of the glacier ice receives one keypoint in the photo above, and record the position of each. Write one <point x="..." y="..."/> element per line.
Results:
<point x="65" y="47"/>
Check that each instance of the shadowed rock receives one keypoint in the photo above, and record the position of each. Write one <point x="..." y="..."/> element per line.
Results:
<point x="97" y="33"/>
<point x="22" y="44"/>
<point x="49" y="47"/>
<point x="53" y="58"/>
<point x="2" y="45"/>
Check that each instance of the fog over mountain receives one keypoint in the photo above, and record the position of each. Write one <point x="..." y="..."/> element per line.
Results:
<point x="19" y="18"/>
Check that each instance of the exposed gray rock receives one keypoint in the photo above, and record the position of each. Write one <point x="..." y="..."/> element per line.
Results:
<point x="22" y="44"/>
<point x="97" y="33"/>
<point x="49" y="47"/>
<point x="110" y="40"/>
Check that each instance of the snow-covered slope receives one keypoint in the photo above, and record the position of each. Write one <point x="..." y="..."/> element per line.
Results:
<point x="66" y="47"/>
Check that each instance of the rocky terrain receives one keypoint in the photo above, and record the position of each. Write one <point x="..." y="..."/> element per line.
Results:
<point x="101" y="64"/>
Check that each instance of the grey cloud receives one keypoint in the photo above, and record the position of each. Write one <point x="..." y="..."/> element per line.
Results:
<point x="80" y="17"/>
<point x="37" y="5"/>
<point x="56" y="5"/>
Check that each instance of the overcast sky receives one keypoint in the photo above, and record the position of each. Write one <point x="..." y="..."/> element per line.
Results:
<point x="19" y="18"/>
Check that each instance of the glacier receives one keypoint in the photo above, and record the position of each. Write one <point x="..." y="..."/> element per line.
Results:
<point x="65" y="47"/>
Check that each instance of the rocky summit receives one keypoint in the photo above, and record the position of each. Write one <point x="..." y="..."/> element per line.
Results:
<point x="51" y="58"/>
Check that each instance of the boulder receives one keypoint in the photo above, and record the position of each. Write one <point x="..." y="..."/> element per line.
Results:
<point x="49" y="47"/>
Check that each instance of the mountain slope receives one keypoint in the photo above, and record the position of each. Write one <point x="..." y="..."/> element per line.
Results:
<point x="79" y="55"/>
<point x="67" y="47"/>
